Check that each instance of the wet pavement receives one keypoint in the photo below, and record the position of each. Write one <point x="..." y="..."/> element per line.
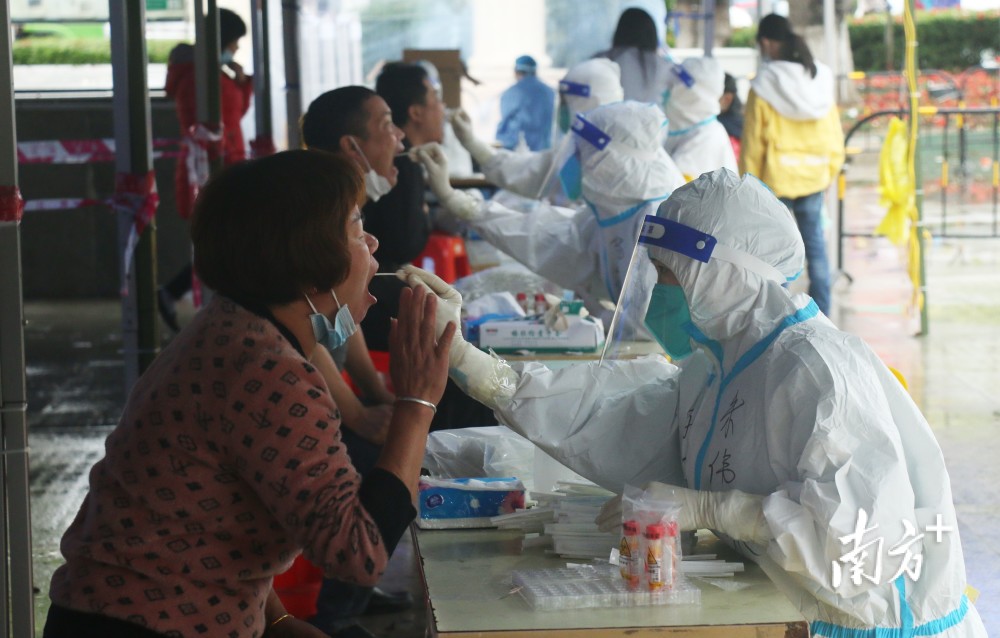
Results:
<point x="75" y="381"/>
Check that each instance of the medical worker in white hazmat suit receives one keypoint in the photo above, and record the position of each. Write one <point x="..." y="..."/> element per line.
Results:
<point x="697" y="141"/>
<point x="789" y="434"/>
<point x="614" y="163"/>
<point x="585" y="86"/>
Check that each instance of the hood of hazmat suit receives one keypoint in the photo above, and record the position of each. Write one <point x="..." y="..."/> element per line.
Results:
<point x="696" y="141"/>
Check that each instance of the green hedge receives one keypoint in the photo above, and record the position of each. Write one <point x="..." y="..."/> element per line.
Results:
<point x="54" y="50"/>
<point x="949" y="40"/>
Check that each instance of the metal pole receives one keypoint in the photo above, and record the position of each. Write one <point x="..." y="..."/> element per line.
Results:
<point x="830" y="42"/>
<point x="293" y="88"/>
<point x="133" y="135"/>
<point x="17" y="613"/>
<point x="911" y="68"/>
<point x="261" y="72"/>
<point x="207" y="64"/>
<point x="708" y="15"/>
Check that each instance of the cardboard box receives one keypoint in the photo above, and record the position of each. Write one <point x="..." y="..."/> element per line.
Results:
<point x="583" y="335"/>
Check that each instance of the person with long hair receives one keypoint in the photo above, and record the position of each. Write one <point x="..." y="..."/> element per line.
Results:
<point x="792" y="138"/>
<point x="645" y="67"/>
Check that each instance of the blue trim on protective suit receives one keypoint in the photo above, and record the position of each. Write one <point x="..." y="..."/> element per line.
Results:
<point x="622" y="216"/>
<point x="907" y="630"/>
<point x="751" y="355"/>
<point x="682" y="131"/>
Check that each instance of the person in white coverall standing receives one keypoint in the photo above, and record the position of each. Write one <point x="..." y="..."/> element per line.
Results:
<point x="696" y="140"/>
<point x="614" y="163"/>
<point x="785" y="435"/>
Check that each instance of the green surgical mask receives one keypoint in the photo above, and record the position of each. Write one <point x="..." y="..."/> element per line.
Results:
<point x="564" y="118"/>
<point x="666" y="318"/>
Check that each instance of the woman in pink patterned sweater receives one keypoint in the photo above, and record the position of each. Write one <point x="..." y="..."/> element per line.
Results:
<point x="227" y="461"/>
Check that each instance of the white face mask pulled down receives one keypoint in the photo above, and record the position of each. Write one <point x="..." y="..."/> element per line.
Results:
<point x="376" y="185"/>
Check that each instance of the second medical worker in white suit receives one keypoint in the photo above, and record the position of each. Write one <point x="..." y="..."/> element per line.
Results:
<point x="790" y="434"/>
<point x="614" y="163"/>
<point x="585" y="86"/>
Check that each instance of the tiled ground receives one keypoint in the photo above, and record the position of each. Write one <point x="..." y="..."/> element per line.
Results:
<point x="953" y="371"/>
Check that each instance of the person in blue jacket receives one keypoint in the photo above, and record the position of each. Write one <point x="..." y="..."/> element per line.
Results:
<point x="526" y="108"/>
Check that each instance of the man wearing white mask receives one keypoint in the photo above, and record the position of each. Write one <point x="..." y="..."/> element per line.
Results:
<point x="696" y="140"/>
<point x="614" y="165"/>
<point x="585" y="86"/>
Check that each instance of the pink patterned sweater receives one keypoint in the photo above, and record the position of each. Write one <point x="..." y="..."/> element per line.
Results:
<point x="227" y="462"/>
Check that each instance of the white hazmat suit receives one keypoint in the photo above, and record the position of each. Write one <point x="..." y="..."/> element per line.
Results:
<point x="697" y="141"/>
<point x="786" y="428"/>
<point x="587" y="249"/>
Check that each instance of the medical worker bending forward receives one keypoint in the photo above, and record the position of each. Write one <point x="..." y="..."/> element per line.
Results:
<point x="585" y="86"/>
<point x="792" y="438"/>
<point x="613" y="162"/>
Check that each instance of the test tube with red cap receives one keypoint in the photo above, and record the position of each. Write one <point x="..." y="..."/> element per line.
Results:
<point x="628" y="554"/>
<point x="654" y="535"/>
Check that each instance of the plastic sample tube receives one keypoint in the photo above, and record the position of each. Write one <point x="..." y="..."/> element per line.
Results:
<point x="672" y="545"/>
<point x="628" y="554"/>
<point x="654" y="556"/>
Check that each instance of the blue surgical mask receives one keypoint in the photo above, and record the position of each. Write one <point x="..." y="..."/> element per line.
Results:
<point x="226" y="57"/>
<point x="333" y="336"/>
<point x="571" y="177"/>
<point x="666" y="318"/>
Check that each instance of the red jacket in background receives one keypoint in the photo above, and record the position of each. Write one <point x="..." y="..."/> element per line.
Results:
<point x="235" y="102"/>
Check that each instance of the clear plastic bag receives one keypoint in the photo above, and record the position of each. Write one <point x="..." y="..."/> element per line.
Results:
<point x="493" y="452"/>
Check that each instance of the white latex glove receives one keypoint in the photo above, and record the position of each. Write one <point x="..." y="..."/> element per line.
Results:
<point x="458" y="203"/>
<point x="478" y="149"/>
<point x="449" y="308"/>
<point x="484" y="378"/>
<point x="555" y="319"/>
<point x="734" y="513"/>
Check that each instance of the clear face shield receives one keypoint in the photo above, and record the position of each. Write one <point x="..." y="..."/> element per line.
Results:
<point x="652" y="314"/>
<point x="566" y="164"/>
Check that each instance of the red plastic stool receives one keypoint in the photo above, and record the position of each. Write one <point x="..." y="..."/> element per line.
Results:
<point x="298" y="587"/>
<point x="381" y="361"/>
<point x="447" y="257"/>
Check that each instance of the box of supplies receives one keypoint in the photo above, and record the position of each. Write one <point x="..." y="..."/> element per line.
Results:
<point x="466" y="502"/>
<point x="583" y="334"/>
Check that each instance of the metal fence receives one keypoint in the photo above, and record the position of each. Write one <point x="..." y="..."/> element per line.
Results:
<point x="960" y="166"/>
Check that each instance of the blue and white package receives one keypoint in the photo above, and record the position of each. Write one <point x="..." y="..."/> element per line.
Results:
<point x="466" y="502"/>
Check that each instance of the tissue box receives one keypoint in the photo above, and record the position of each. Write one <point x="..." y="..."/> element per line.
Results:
<point x="583" y="334"/>
<point x="466" y="502"/>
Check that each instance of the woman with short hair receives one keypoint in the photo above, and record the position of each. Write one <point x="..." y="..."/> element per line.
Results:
<point x="228" y="462"/>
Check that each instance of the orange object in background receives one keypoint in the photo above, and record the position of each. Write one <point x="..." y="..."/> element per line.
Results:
<point x="447" y="253"/>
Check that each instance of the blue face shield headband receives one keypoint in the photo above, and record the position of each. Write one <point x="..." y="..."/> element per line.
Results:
<point x="574" y="88"/>
<point x="658" y="232"/>
<point x="683" y="75"/>
<point x="571" y="173"/>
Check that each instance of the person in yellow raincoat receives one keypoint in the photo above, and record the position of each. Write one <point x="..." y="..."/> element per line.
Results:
<point x="792" y="138"/>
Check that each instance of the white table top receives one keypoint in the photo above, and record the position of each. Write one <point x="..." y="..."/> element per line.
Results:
<point x="467" y="576"/>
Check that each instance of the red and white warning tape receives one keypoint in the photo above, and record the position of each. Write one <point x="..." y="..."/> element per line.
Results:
<point x="84" y="151"/>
